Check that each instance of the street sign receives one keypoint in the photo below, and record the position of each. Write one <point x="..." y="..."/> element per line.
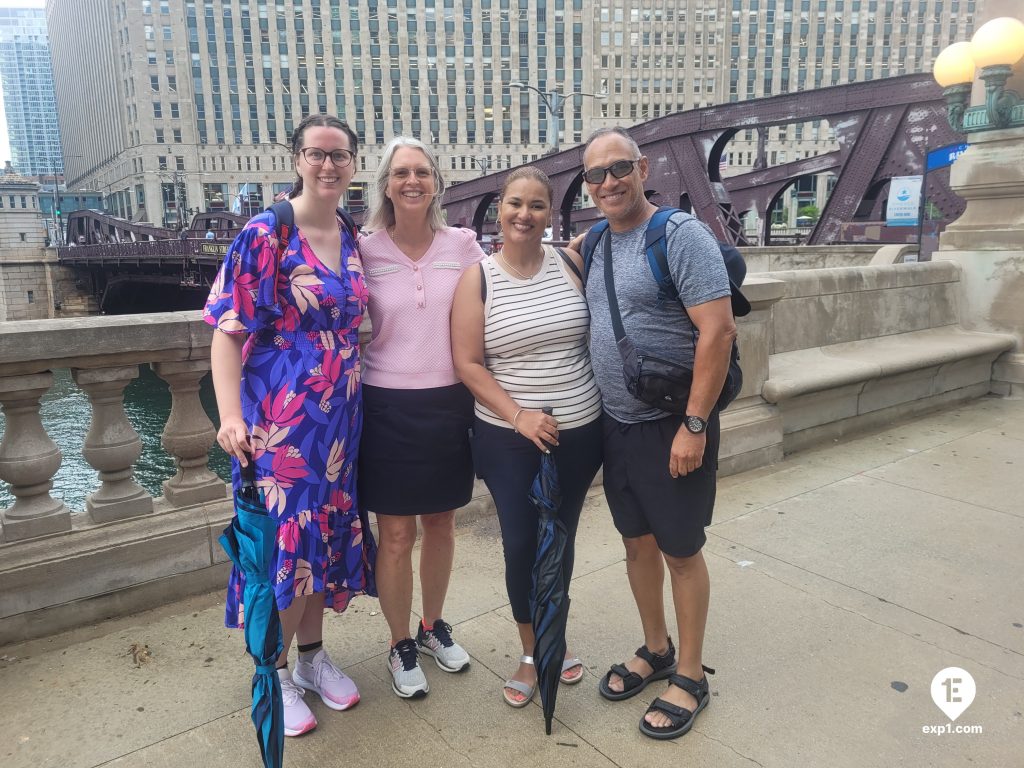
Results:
<point x="904" y="203"/>
<point x="943" y="156"/>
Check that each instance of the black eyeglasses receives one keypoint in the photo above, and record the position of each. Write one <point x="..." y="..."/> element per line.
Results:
<point x="316" y="156"/>
<point x="619" y="169"/>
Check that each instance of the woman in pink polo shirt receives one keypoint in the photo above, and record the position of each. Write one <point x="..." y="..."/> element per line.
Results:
<point x="414" y="457"/>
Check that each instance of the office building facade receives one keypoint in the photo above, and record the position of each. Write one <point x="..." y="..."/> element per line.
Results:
<point x="27" y="81"/>
<point x="193" y="102"/>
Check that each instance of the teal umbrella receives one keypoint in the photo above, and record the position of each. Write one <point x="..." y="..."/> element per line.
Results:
<point x="250" y="541"/>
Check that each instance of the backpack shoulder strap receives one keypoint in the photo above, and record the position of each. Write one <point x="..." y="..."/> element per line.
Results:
<point x="284" y="222"/>
<point x="656" y="247"/>
<point x="590" y="243"/>
<point x="569" y="263"/>
<point x="349" y="222"/>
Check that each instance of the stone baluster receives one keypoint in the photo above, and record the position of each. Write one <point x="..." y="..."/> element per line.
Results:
<point x="188" y="436"/>
<point x="28" y="461"/>
<point x="112" y="445"/>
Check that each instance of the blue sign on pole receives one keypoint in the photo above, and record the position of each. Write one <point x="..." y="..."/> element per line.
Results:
<point x="943" y="156"/>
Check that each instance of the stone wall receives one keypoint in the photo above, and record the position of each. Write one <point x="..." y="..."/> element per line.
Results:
<point x="34" y="286"/>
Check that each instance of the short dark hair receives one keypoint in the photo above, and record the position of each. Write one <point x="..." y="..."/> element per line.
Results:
<point x="617" y="130"/>
<point x="319" y="121"/>
<point x="528" y="172"/>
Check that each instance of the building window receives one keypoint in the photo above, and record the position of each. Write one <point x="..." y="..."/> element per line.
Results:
<point x="154" y="83"/>
<point x="22" y="236"/>
<point x="159" y="135"/>
<point x="31" y="297"/>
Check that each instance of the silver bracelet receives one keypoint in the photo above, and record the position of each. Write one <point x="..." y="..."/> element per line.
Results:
<point x="514" y="427"/>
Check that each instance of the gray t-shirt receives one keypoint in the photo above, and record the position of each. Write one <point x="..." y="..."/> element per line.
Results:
<point x="664" y="331"/>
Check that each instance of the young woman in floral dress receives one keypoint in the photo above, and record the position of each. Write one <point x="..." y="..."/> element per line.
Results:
<point x="285" y="360"/>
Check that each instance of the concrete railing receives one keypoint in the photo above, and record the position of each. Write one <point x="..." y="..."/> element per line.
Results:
<point x="784" y="258"/>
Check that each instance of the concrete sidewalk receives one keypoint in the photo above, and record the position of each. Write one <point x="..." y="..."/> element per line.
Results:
<point x="843" y="580"/>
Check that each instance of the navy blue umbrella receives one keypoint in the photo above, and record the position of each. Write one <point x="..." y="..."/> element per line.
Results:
<point x="549" y="599"/>
<point x="250" y="541"/>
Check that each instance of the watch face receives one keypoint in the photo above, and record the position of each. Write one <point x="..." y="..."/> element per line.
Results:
<point x="695" y="424"/>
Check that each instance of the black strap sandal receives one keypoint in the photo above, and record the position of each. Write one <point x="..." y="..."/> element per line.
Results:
<point x="680" y="718"/>
<point x="632" y="683"/>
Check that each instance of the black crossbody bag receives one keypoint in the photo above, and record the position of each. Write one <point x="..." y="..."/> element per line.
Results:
<point x="659" y="383"/>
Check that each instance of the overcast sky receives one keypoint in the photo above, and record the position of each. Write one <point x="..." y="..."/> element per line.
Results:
<point x="5" y="147"/>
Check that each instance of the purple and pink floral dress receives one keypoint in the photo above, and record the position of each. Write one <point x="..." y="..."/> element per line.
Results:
<point x="302" y="402"/>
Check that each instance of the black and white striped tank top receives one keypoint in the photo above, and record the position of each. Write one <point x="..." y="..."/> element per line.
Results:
<point x="535" y="342"/>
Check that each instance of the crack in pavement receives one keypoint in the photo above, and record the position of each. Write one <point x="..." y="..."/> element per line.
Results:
<point x="730" y="748"/>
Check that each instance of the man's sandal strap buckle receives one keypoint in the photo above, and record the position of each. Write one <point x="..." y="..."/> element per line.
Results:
<point x="689" y="685"/>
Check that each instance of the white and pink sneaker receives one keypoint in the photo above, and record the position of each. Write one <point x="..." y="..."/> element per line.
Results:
<point x="321" y="676"/>
<point x="297" y="717"/>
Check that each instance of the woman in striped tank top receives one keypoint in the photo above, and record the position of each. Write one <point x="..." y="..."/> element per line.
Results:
<point x="519" y="342"/>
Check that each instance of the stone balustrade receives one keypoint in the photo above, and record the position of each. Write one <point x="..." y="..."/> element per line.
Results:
<point x="823" y="351"/>
<point x="104" y="355"/>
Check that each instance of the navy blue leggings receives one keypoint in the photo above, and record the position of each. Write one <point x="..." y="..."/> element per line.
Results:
<point x="507" y="463"/>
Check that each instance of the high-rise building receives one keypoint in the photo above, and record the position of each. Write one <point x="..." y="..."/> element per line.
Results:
<point x="192" y="102"/>
<point x="27" y="82"/>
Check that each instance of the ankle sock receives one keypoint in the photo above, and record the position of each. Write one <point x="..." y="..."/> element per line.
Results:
<point x="308" y="651"/>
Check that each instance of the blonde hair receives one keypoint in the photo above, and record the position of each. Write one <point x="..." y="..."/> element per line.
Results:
<point x="382" y="210"/>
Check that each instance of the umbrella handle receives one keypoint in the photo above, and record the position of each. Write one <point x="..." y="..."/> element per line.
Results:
<point x="548" y="411"/>
<point x="248" y="472"/>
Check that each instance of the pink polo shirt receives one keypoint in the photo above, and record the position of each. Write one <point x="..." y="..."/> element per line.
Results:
<point x="410" y="308"/>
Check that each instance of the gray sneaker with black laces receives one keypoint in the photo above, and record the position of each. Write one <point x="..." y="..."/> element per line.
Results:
<point x="407" y="680"/>
<point x="437" y="642"/>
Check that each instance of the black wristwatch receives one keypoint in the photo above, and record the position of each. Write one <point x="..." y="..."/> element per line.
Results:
<point x="695" y="424"/>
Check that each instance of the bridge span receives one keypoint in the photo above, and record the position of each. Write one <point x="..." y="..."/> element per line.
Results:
<point x="883" y="129"/>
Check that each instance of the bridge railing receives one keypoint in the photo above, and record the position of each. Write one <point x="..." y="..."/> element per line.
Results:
<point x="104" y="355"/>
<point x="145" y="251"/>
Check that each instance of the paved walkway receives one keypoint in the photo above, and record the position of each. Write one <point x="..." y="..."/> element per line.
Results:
<point x="843" y="580"/>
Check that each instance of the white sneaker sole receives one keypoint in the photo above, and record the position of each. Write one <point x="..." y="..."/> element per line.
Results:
<point x="441" y="664"/>
<point x="328" y="702"/>
<point x="419" y="693"/>
<point x="306" y="728"/>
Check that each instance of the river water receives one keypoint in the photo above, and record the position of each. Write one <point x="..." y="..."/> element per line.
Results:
<point x="66" y="413"/>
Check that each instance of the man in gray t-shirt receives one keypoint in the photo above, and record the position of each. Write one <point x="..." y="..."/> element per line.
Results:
<point x="659" y="468"/>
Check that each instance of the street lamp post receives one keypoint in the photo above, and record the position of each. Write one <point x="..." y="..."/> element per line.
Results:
<point x="555" y="101"/>
<point x="482" y="162"/>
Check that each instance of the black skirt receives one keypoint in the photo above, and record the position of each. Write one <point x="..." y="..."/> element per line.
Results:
<point x="414" y="456"/>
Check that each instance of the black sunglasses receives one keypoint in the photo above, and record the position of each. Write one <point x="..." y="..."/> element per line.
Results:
<point x="619" y="169"/>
